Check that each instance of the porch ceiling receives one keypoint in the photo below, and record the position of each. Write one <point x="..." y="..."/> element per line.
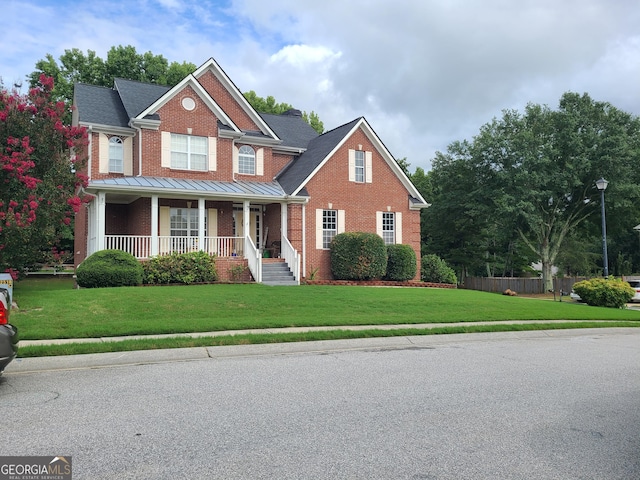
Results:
<point x="139" y="186"/>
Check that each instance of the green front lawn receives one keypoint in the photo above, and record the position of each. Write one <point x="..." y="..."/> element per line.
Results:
<point x="53" y="309"/>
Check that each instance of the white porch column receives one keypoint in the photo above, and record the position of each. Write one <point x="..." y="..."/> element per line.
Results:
<point x="201" y="217"/>
<point x="284" y="220"/>
<point x="246" y="219"/>
<point x="155" y="247"/>
<point x="100" y="233"/>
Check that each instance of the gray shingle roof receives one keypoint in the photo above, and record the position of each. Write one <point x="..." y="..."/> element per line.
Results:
<point x="292" y="130"/>
<point x="317" y="150"/>
<point x="137" y="96"/>
<point x="99" y="105"/>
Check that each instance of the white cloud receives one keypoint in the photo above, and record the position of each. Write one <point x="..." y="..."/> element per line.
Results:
<point x="301" y="56"/>
<point x="423" y="73"/>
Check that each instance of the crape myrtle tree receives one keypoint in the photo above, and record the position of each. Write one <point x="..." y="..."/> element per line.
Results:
<point x="531" y="176"/>
<point x="39" y="179"/>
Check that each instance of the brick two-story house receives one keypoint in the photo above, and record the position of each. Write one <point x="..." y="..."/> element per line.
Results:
<point x="195" y="167"/>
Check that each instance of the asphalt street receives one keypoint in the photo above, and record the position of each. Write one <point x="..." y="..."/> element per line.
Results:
<point x="534" y="405"/>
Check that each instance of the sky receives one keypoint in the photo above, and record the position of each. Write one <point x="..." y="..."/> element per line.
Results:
<point x="423" y="73"/>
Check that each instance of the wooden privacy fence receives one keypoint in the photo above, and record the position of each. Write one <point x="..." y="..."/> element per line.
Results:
<point x="519" y="285"/>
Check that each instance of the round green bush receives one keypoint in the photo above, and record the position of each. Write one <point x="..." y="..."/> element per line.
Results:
<point x="436" y="270"/>
<point x="109" y="268"/>
<point x="601" y="292"/>
<point x="358" y="256"/>
<point x="401" y="263"/>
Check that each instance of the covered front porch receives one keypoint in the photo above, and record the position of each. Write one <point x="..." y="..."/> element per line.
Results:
<point x="150" y="224"/>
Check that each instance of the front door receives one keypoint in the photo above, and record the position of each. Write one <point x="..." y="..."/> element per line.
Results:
<point x="255" y="225"/>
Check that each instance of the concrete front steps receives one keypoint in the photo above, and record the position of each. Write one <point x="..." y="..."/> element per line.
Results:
<point x="275" y="271"/>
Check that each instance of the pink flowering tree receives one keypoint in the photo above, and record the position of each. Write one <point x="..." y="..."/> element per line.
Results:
<point x="40" y="183"/>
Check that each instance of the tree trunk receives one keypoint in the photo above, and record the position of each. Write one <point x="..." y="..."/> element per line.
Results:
<point x="547" y="275"/>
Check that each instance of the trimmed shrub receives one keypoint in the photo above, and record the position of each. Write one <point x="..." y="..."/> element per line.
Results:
<point x="601" y="292"/>
<point x="436" y="270"/>
<point x="185" y="268"/>
<point x="109" y="268"/>
<point x="358" y="256"/>
<point x="401" y="263"/>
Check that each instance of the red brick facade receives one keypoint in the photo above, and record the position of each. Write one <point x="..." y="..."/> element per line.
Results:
<point x="328" y="188"/>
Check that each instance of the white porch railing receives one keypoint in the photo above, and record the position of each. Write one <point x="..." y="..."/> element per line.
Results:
<point x="140" y="245"/>
<point x="137" y="245"/>
<point x="254" y="259"/>
<point x="292" y="258"/>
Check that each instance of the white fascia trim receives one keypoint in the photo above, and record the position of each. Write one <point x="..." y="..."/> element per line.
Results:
<point x="212" y="65"/>
<point x="232" y="134"/>
<point x="418" y="206"/>
<point x="289" y="150"/>
<point x="190" y="81"/>
<point x="128" y="132"/>
<point x="145" y="123"/>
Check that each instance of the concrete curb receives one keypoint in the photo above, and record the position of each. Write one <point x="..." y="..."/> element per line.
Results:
<point x="143" y="357"/>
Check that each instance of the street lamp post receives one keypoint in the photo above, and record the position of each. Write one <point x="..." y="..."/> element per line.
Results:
<point x="602" y="186"/>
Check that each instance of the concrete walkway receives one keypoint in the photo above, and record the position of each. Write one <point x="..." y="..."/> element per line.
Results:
<point x="100" y="360"/>
<point x="224" y="333"/>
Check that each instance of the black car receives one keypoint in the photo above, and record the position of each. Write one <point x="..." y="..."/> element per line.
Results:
<point x="8" y="333"/>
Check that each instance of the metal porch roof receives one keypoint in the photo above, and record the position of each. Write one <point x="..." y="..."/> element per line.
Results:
<point x="234" y="189"/>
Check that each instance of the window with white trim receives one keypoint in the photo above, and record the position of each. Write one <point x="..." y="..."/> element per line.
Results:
<point x="188" y="152"/>
<point x="360" y="166"/>
<point x="116" y="155"/>
<point x="329" y="227"/>
<point x="388" y="228"/>
<point x="246" y="160"/>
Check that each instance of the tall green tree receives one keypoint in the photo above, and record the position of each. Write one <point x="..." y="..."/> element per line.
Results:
<point x="534" y="172"/>
<point x="122" y="61"/>
<point x="38" y="174"/>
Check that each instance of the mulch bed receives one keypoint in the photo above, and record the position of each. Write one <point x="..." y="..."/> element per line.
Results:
<point x="379" y="283"/>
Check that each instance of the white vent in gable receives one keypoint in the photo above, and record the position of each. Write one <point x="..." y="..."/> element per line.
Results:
<point x="188" y="103"/>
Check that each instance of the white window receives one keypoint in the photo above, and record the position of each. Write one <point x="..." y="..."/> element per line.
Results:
<point x="359" y="166"/>
<point x="246" y="160"/>
<point x="116" y="155"/>
<point x="188" y="152"/>
<point x="329" y="227"/>
<point x="183" y="227"/>
<point x="388" y="228"/>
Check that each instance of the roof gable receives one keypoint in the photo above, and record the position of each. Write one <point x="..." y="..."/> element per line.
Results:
<point x="302" y="169"/>
<point x="212" y="66"/>
<point x="189" y="81"/>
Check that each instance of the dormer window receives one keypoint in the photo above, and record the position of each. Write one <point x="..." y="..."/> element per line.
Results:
<point x="246" y="160"/>
<point x="116" y="155"/>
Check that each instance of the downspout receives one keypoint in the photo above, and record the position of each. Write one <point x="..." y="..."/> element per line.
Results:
<point x="90" y="156"/>
<point x="304" y="240"/>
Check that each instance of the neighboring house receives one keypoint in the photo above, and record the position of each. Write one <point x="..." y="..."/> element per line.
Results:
<point x="195" y="167"/>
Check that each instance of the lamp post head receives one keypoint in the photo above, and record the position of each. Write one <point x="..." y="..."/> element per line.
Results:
<point x="602" y="184"/>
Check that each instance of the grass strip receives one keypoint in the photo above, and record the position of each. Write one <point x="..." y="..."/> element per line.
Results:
<point x="48" y="313"/>
<point x="248" y="339"/>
